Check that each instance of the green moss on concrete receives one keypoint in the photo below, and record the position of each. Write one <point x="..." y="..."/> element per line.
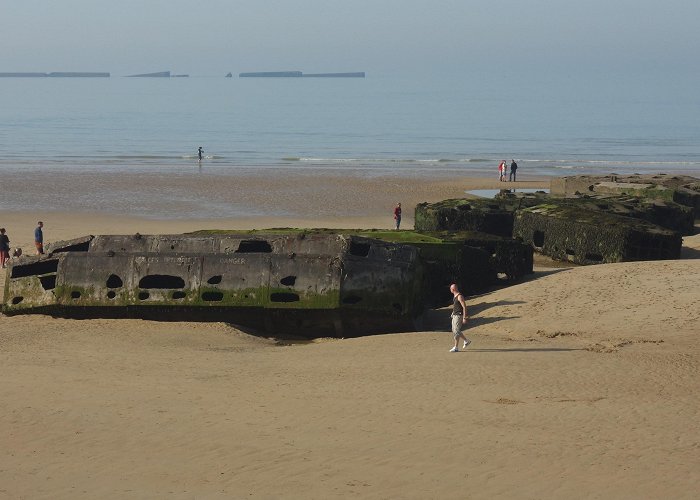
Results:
<point x="88" y="295"/>
<point x="651" y="192"/>
<point x="390" y="236"/>
<point x="573" y="213"/>
<point x="248" y="297"/>
<point x="30" y="289"/>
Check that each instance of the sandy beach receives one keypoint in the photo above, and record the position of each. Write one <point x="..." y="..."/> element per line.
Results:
<point x="579" y="383"/>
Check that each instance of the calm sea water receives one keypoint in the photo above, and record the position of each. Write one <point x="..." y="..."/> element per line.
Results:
<point x="378" y="125"/>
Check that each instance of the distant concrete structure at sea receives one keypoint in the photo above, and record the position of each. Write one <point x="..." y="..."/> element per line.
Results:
<point x="158" y="74"/>
<point x="299" y="74"/>
<point x="23" y="75"/>
<point x="69" y="74"/>
<point x="56" y="74"/>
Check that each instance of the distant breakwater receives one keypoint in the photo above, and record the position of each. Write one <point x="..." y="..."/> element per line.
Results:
<point x="56" y="74"/>
<point x="168" y="74"/>
<point x="299" y="74"/>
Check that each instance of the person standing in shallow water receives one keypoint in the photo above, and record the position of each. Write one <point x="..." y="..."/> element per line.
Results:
<point x="459" y="318"/>
<point x="397" y="215"/>
<point x="513" y="169"/>
<point x="39" y="238"/>
<point x="199" y="153"/>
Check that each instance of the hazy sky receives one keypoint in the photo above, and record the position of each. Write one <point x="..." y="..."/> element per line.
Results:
<point x="211" y="37"/>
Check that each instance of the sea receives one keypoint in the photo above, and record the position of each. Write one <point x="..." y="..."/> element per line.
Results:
<point x="425" y="126"/>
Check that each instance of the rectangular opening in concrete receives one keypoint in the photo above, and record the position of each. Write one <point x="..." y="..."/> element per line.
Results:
<point x="161" y="281"/>
<point x="78" y="247"/>
<point x="212" y="296"/>
<point x="538" y="238"/>
<point x="35" y="268"/>
<point x="254" y="246"/>
<point x="284" y="297"/>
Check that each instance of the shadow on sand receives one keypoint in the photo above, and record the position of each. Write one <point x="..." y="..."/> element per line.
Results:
<point x="525" y="349"/>
<point x="539" y="274"/>
<point x="483" y="306"/>
<point x="441" y="319"/>
<point x="690" y="253"/>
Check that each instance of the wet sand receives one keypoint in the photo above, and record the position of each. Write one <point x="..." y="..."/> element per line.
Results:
<point x="579" y="383"/>
<point x="217" y="194"/>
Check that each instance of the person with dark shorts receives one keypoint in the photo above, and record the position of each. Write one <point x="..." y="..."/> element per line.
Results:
<point x="4" y="247"/>
<point x="199" y="153"/>
<point x="397" y="215"/>
<point x="459" y="317"/>
<point x="39" y="238"/>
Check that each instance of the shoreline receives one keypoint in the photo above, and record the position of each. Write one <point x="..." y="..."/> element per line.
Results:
<point x="350" y="204"/>
<point x="189" y="195"/>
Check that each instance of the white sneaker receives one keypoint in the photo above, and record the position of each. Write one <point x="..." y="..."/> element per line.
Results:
<point x="466" y="343"/>
<point x="454" y="349"/>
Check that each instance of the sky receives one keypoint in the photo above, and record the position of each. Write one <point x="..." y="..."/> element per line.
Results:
<point x="212" y="37"/>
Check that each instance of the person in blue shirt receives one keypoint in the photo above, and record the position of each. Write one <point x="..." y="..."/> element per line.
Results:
<point x="39" y="238"/>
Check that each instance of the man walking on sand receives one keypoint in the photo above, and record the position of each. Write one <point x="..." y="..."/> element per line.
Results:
<point x="39" y="238"/>
<point x="459" y="318"/>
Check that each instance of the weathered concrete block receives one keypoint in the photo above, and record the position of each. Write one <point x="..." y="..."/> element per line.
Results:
<point x="585" y="184"/>
<point x="589" y="237"/>
<point x="689" y="195"/>
<point x="326" y="284"/>
<point x="664" y="213"/>
<point x="508" y="256"/>
<point x="473" y="260"/>
<point x="681" y="189"/>
<point x="484" y="215"/>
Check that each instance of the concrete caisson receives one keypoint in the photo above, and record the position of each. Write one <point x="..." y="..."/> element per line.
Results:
<point x="484" y="215"/>
<point x="300" y="283"/>
<point x="587" y="237"/>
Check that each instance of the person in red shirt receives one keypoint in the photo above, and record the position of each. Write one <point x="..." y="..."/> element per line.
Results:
<point x="397" y="215"/>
